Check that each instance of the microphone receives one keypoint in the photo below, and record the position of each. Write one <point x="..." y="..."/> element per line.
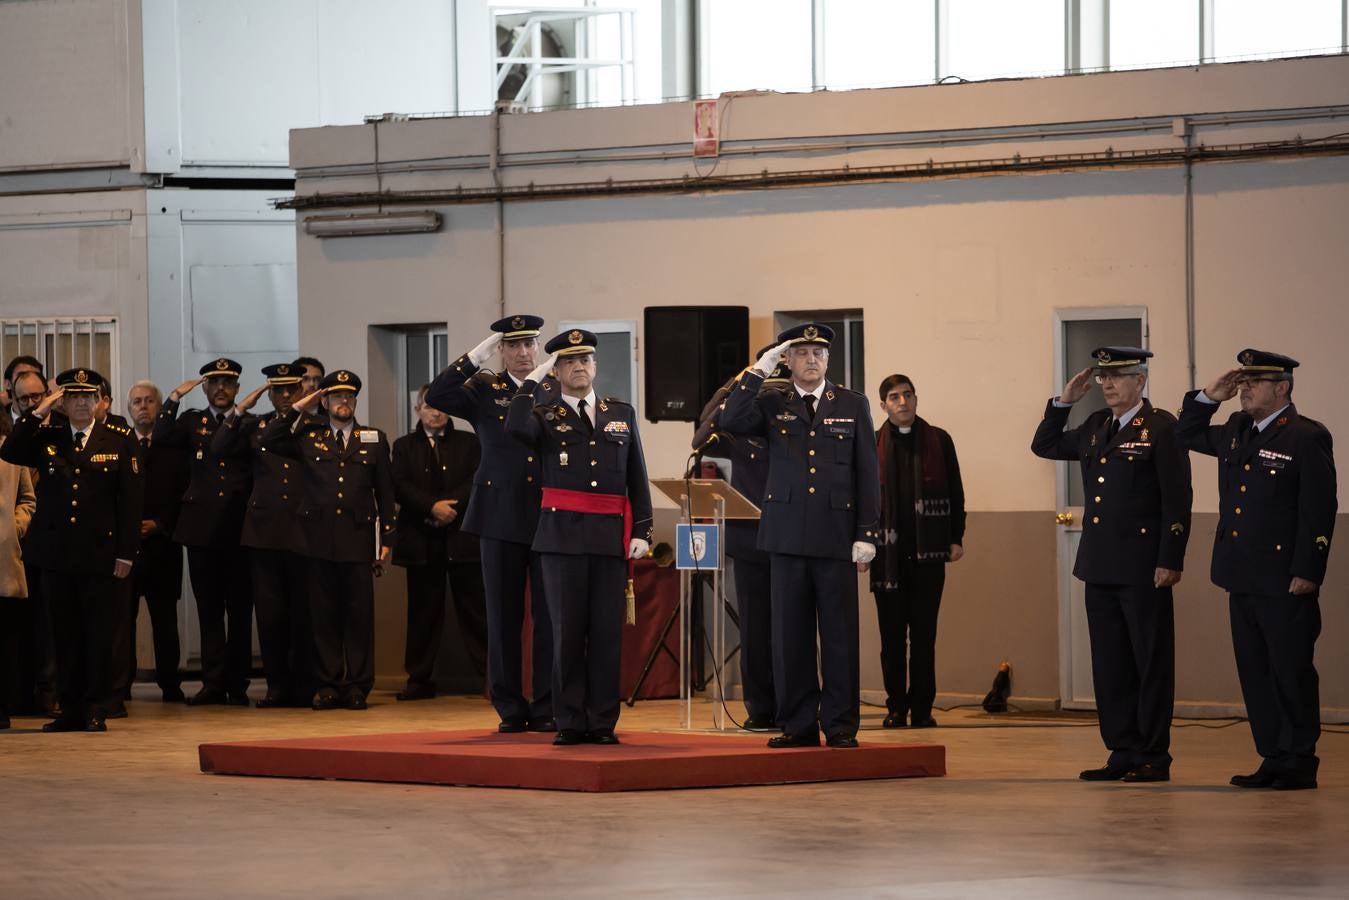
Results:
<point x="712" y="439"/>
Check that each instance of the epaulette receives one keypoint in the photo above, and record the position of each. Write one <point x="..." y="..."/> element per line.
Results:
<point x="617" y="400"/>
<point x="848" y="390"/>
<point x="120" y="429"/>
<point x="486" y="376"/>
<point x="1165" y="414"/>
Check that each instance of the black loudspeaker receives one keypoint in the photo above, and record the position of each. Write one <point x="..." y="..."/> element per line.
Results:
<point x="690" y="352"/>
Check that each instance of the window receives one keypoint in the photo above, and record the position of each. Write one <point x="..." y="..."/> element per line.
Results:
<point x="425" y="354"/>
<point x="755" y="45"/>
<point x="1153" y="33"/>
<point x="1258" y="29"/>
<point x="847" y="357"/>
<point x="615" y="357"/>
<point x="63" y="343"/>
<point x="999" y="40"/>
<point x="878" y="43"/>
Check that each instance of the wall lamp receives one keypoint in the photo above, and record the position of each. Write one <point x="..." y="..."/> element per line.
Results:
<point x="359" y="224"/>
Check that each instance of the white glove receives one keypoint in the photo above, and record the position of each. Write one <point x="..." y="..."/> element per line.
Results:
<point x="483" y="352"/>
<point x="769" y="361"/>
<point x="637" y="548"/>
<point x="542" y="369"/>
<point x="862" y="552"/>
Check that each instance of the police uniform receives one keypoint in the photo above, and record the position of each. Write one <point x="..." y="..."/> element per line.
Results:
<point x="748" y="456"/>
<point x="1136" y="479"/>
<point x="346" y="509"/>
<point x="1277" y="505"/>
<point x="503" y="512"/>
<point x="822" y="498"/>
<point x="271" y="532"/>
<point x="595" y="500"/>
<point x="209" y="525"/>
<point x="88" y="518"/>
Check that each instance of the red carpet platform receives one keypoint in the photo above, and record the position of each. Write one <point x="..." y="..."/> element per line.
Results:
<point x="644" y="761"/>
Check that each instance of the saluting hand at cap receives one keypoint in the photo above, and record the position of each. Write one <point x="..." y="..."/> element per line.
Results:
<point x="48" y="402"/>
<point x="543" y="368"/>
<point x="483" y="352"/>
<point x="306" y="403"/>
<point x="1224" y="387"/>
<point x="248" y="402"/>
<point x="177" y="393"/>
<point x="769" y="361"/>
<point x="1077" y="387"/>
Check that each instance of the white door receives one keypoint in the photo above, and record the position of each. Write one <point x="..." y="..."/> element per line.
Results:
<point x="1076" y="333"/>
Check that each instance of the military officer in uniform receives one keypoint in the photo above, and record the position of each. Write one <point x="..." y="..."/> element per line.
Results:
<point x="748" y="457"/>
<point x="272" y="534"/>
<point x="819" y="527"/>
<point x="595" y="516"/>
<point x="504" y="512"/>
<point x="1136" y="480"/>
<point x="1277" y="505"/>
<point x="84" y="536"/>
<point x="347" y="516"/>
<point x="209" y="524"/>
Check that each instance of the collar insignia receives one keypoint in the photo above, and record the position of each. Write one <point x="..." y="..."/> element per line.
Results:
<point x="1137" y="422"/>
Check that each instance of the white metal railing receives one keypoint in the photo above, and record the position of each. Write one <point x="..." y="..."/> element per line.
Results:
<point x="527" y="49"/>
<point x="64" y="342"/>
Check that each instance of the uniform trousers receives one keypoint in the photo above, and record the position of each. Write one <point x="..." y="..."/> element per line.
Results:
<point x="754" y="601"/>
<point x="585" y="600"/>
<point x="342" y="616"/>
<point x="221" y="582"/>
<point x="908" y="614"/>
<point x="158" y="577"/>
<point x="1133" y="670"/>
<point x="505" y="566"/>
<point x="426" y="616"/>
<point x="811" y="593"/>
<point x="1274" y="639"/>
<point x="82" y="615"/>
<point x="281" y="604"/>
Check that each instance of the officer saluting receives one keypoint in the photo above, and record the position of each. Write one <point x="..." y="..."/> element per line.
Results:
<point x="819" y="527"/>
<point x="748" y="456"/>
<point x="272" y="535"/>
<point x="84" y="536"/>
<point x="347" y="511"/>
<point x="1276" y="493"/>
<point x="596" y="514"/>
<point x="1136" y="480"/>
<point x="209" y="523"/>
<point x="503" y="511"/>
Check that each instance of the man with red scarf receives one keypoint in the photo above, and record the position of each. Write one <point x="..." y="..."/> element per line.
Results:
<point x="922" y="529"/>
<point x="595" y="516"/>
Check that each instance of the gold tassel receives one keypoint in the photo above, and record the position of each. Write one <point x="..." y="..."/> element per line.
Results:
<point x="628" y="594"/>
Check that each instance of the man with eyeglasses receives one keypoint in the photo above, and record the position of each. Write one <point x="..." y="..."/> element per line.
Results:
<point x="1277" y="505"/>
<point x="1136" y="522"/>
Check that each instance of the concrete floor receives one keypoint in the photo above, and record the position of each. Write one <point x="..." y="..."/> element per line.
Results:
<point x="128" y="814"/>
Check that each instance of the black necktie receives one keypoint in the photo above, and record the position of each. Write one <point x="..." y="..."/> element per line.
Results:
<point x="1113" y="429"/>
<point x="341" y="441"/>
<point x="809" y="400"/>
<point x="585" y="418"/>
<point x="145" y="444"/>
<point x="79" y="441"/>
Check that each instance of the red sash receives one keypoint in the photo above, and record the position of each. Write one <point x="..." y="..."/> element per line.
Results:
<point x="611" y="504"/>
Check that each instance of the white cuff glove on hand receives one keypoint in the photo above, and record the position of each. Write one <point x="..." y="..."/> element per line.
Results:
<point x="542" y="369"/>
<point x="862" y="552"/>
<point x="769" y="361"/>
<point x="637" y="548"/>
<point x="483" y="352"/>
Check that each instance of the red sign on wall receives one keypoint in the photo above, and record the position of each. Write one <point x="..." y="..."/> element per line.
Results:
<point x="705" y="139"/>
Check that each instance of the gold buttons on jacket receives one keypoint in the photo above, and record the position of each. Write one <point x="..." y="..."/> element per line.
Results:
<point x="1238" y="510"/>
<point x="1234" y="534"/>
<point x="811" y="489"/>
<point x="1096" y="520"/>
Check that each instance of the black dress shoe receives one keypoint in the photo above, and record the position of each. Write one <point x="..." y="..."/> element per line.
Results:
<point x="512" y="726"/>
<point x="543" y="724"/>
<point x="173" y="695"/>
<point x="840" y="741"/>
<point x="924" y="722"/>
<point x="1290" y="782"/>
<point x="273" y="700"/>
<point x="324" y="700"/>
<point x="893" y="720"/>
<point x="208" y="697"/>
<point x="4" y="722"/>
<point x="784" y="741"/>
<point x="355" y="700"/>
<point x="95" y="723"/>
<point x="1260" y="778"/>
<point x="1145" y="773"/>
<point x="566" y="737"/>
<point x="761" y="723"/>
<point x="416" y="692"/>
<point x="116" y="710"/>
<point x="62" y="723"/>
<point x="1105" y="773"/>
<point x="606" y="737"/>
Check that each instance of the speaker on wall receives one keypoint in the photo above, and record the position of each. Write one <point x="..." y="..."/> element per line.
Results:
<point x="690" y="352"/>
